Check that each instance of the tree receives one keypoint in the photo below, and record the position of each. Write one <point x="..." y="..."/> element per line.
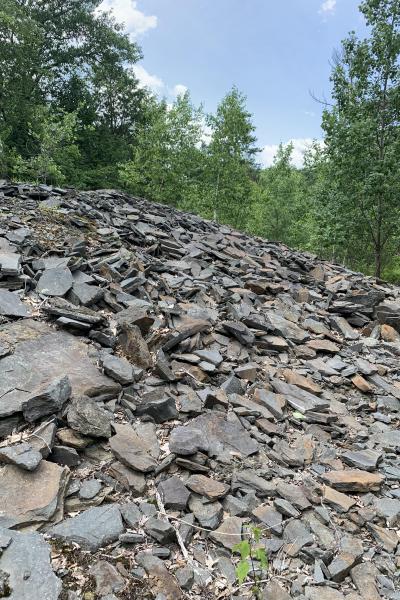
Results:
<point x="73" y="58"/>
<point x="231" y="159"/>
<point x="57" y="152"/>
<point x="166" y="162"/>
<point x="363" y="133"/>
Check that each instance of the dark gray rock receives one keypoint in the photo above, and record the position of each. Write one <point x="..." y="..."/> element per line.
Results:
<point x="21" y="455"/>
<point x="87" y="417"/>
<point x="47" y="401"/>
<point x="89" y="489"/>
<point x="161" y="531"/>
<point x="55" y="282"/>
<point x="11" y="305"/>
<point x="173" y="493"/>
<point x="26" y="562"/>
<point x="93" y="529"/>
<point x="37" y="361"/>
<point x="118" y="368"/>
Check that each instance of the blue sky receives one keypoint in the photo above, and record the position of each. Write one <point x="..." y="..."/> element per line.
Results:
<point x="277" y="52"/>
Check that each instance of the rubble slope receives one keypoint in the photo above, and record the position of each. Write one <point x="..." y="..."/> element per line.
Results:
<point x="165" y="384"/>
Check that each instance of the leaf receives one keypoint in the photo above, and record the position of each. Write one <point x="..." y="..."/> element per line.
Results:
<point x="243" y="548"/>
<point x="298" y="415"/>
<point x="242" y="570"/>
<point x="256" y="533"/>
<point x="261" y="555"/>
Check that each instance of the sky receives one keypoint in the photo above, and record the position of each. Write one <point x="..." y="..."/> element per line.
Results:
<point x="277" y="52"/>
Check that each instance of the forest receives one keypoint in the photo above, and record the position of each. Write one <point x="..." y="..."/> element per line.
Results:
<point x="73" y="113"/>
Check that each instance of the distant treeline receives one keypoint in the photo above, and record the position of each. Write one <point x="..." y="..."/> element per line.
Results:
<point x="72" y="112"/>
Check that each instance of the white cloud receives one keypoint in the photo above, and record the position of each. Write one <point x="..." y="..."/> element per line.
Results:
<point x="179" y="90"/>
<point x="126" y="12"/>
<point x="300" y="145"/>
<point x="327" y="7"/>
<point x="154" y="83"/>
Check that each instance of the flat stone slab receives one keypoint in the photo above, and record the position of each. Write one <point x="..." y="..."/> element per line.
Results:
<point x="137" y="449"/>
<point x="55" y="282"/>
<point x="354" y="480"/>
<point x="21" y="455"/>
<point x="26" y="561"/>
<point x="92" y="529"/>
<point x="11" y="305"/>
<point x="41" y="355"/>
<point x="214" y="434"/>
<point x="31" y="497"/>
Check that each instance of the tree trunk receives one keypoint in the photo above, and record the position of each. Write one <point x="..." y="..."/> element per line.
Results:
<point x="378" y="261"/>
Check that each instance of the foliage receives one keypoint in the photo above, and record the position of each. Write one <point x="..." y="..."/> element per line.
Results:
<point x="231" y="160"/>
<point x="363" y="134"/>
<point x="250" y="551"/>
<point x="166" y="157"/>
<point x="57" y="151"/>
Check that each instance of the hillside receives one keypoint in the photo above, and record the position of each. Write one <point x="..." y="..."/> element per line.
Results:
<point x="164" y="382"/>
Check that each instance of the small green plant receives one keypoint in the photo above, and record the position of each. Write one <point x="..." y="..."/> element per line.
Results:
<point x="250" y="551"/>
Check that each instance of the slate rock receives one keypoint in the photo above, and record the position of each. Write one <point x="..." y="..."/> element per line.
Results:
<point x="118" y="368"/>
<point x="134" y="346"/>
<point x="160" y="530"/>
<point x="274" y="591"/>
<point x="366" y="460"/>
<point x="22" y="455"/>
<point x="214" y="434"/>
<point x="31" y="497"/>
<point x="41" y="356"/>
<point x="131" y="514"/>
<point x="204" y="486"/>
<point x="26" y="562"/>
<point x="107" y="578"/>
<point x="354" y="480"/>
<point x="83" y="294"/>
<point x="92" y="529"/>
<point x="89" y="489"/>
<point x="55" y="282"/>
<point x="11" y="305"/>
<point x="135" y="449"/>
<point x="228" y="533"/>
<point x="185" y="577"/>
<point x="87" y="417"/>
<point x="132" y="481"/>
<point x="162" y="582"/>
<point x="160" y="409"/>
<point x="174" y="493"/>
<point x="50" y="399"/>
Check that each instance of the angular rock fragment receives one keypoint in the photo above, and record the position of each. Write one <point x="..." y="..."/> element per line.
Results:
<point x="93" y="529"/>
<point x="135" y="449"/>
<point x="204" y="486"/>
<point x="162" y="582"/>
<point x="354" y="480"/>
<point x="31" y="497"/>
<point x="55" y="282"/>
<point x="21" y="455"/>
<point x="213" y="434"/>
<point x="87" y="417"/>
<point x="11" y="305"/>
<point x="26" y="562"/>
<point x="174" y="493"/>
<point x="50" y="399"/>
<point x="41" y="356"/>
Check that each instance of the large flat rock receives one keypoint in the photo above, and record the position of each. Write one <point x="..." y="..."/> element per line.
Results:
<point x="92" y="529"/>
<point x="26" y="561"/>
<point x="31" y="497"/>
<point x="214" y="434"/>
<point x="41" y="355"/>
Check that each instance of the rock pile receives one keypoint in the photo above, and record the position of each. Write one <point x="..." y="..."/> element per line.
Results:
<point x="166" y="381"/>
